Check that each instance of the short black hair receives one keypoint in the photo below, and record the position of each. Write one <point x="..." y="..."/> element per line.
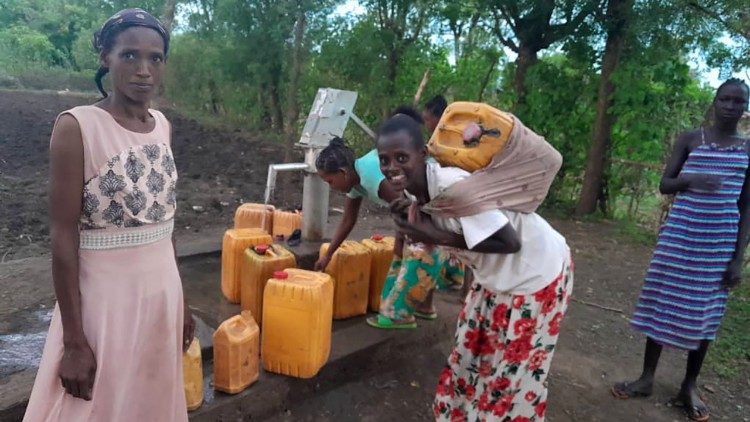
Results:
<point x="408" y="111"/>
<point x="436" y="106"/>
<point x="403" y="122"/>
<point x="730" y="82"/>
<point x="335" y="156"/>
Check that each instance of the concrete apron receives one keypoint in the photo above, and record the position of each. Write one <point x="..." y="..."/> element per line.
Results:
<point x="24" y="318"/>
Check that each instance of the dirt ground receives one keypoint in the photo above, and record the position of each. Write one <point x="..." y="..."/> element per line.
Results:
<point x="217" y="171"/>
<point x="596" y="346"/>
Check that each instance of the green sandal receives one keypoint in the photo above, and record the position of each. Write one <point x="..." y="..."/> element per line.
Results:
<point x="430" y="317"/>
<point x="388" y="324"/>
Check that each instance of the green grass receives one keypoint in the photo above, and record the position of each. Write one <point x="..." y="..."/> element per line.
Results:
<point x="730" y="355"/>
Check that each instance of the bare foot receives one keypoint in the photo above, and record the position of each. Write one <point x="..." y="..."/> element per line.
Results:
<point x="690" y="400"/>
<point x="642" y="387"/>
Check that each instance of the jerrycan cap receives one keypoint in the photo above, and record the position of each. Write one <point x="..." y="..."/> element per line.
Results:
<point x="280" y="275"/>
<point x="377" y="237"/>
<point x="261" y="249"/>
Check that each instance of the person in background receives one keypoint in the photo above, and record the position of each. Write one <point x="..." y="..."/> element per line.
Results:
<point x="359" y="179"/>
<point x="509" y="326"/>
<point x="120" y="325"/>
<point x="432" y="112"/>
<point x="700" y="250"/>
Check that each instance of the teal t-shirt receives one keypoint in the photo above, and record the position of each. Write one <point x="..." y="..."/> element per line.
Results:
<point x="370" y="177"/>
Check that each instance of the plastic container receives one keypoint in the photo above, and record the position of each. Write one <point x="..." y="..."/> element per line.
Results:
<point x="258" y="266"/>
<point x="447" y="142"/>
<point x="236" y="353"/>
<point x="350" y="269"/>
<point x="254" y="216"/>
<point x="232" y="253"/>
<point x="192" y="369"/>
<point x="297" y="311"/>
<point x="381" y="253"/>
<point x="286" y="222"/>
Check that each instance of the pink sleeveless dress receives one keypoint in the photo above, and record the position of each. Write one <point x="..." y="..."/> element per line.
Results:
<point x="131" y="294"/>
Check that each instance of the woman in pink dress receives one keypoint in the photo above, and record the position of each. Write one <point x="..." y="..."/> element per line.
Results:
<point x="114" y="348"/>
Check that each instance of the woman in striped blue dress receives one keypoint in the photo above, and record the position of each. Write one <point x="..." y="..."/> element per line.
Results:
<point x="700" y="249"/>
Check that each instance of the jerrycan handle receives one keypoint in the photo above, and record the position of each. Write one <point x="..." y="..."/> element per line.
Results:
<point x="473" y="132"/>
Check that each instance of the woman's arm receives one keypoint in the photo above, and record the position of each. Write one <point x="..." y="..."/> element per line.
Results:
<point x="503" y="241"/>
<point x="78" y="365"/>
<point x="672" y="182"/>
<point x="351" y="213"/>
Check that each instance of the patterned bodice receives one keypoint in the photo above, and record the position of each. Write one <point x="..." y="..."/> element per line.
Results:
<point x="134" y="188"/>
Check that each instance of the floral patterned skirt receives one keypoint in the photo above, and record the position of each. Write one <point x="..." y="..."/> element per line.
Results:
<point x="504" y="346"/>
<point x="411" y="279"/>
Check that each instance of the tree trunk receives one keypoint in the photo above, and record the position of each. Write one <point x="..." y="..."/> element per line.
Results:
<point x="168" y="17"/>
<point x="487" y="77"/>
<point x="597" y="162"/>
<point x="293" y="98"/>
<point x="525" y="60"/>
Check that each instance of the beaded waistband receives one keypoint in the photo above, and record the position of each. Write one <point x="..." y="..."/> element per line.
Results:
<point x="137" y="236"/>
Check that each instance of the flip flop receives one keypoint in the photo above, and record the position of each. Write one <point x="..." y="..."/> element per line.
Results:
<point x="388" y="324"/>
<point x="430" y="317"/>
<point x="622" y="392"/>
<point x="693" y="412"/>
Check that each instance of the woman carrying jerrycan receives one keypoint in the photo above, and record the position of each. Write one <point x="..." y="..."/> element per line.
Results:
<point x="115" y="343"/>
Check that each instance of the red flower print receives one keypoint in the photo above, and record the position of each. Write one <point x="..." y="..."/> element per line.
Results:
<point x="537" y="360"/>
<point x="454" y="358"/>
<point x="520" y="419"/>
<point x="484" y="403"/>
<point x="470" y="392"/>
<point x="502" y="407"/>
<point x="500" y="317"/>
<point x="439" y="409"/>
<point x="530" y="396"/>
<point x="541" y="408"/>
<point x="554" y="325"/>
<point x="518" y="350"/>
<point x="458" y="415"/>
<point x="499" y="384"/>
<point x="547" y="297"/>
<point x="518" y="301"/>
<point x="479" y="343"/>
<point x="462" y="315"/>
<point x="524" y="327"/>
<point x="444" y="387"/>
<point x="485" y="369"/>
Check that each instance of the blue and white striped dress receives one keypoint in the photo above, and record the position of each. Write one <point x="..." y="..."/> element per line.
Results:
<point x="682" y="301"/>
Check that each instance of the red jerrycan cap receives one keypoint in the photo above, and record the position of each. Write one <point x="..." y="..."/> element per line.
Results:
<point x="377" y="237"/>
<point x="280" y="275"/>
<point x="261" y="249"/>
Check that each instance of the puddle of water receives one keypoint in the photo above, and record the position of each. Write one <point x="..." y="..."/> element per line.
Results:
<point x="24" y="350"/>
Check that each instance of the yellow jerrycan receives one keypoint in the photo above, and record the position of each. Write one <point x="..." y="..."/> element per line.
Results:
<point x="232" y="253"/>
<point x="236" y="353"/>
<point x="350" y="269"/>
<point x="381" y="252"/>
<point x="297" y="321"/>
<point x="285" y="223"/>
<point x="447" y="143"/>
<point x="254" y="216"/>
<point x="192" y="369"/>
<point x="260" y="262"/>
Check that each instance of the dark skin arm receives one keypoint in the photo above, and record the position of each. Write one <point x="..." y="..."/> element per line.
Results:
<point x="388" y="194"/>
<point x="672" y="182"/>
<point x="420" y="228"/>
<point x="78" y="364"/>
<point x="188" y="324"/>
<point x="351" y="213"/>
